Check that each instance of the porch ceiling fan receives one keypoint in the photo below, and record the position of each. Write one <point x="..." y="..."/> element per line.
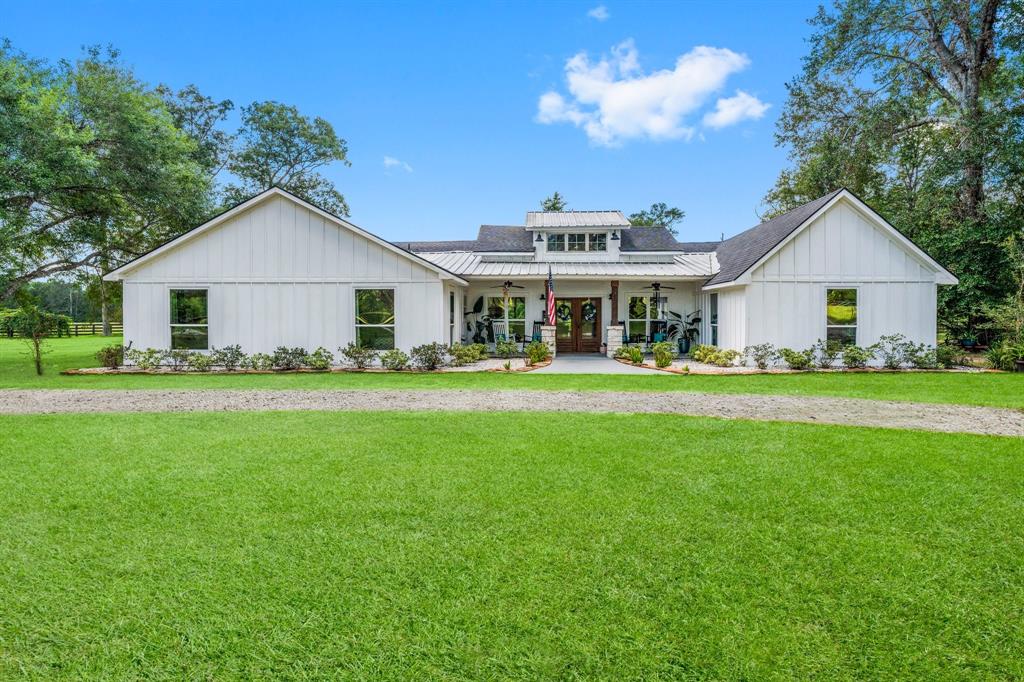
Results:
<point x="656" y="287"/>
<point x="505" y="286"/>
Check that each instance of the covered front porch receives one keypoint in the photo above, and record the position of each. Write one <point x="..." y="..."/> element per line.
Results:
<point x="646" y="310"/>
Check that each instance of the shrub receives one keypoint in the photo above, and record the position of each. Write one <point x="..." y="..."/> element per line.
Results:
<point x="635" y="355"/>
<point x="922" y="356"/>
<point x="394" y="359"/>
<point x="826" y="352"/>
<point x="429" y="356"/>
<point x="703" y="352"/>
<point x="320" y="359"/>
<point x="35" y="325"/>
<point x="464" y="355"/>
<point x="111" y="356"/>
<point x="762" y="354"/>
<point x="797" y="359"/>
<point x="481" y="350"/>
<point x="1004" y="354"/>
<point x="725" y="357"/>
<point x="177" y="358"/>
<point x="664" y="353"/>
<point x="229" y="357"/>
<point x="622" y="353"/>
<point x="358" y="356"/>
<point x="856" y="357"/>
<point x="507" y="365"/>
<point x="538" y="351"/>
<point x="199" y="362"/>
<point x="289" y="358"/>
<point x="260" y="362"/>
<point x="145" y="359"/>
<point x="505" y="349"/>
<point x="948" y="356"/>
<point x="893" y="350"/>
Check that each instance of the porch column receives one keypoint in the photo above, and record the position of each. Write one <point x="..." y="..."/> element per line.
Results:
<point x="547" y="335"/>
<point x="615" y="304"/>
<point x="614" y="339"/>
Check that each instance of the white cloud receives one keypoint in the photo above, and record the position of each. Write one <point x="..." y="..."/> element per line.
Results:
<point x="613" y="100"/>
<point x="392" y="162"/>
<point x="600" y="13"/>
<point x="731" y="110"/>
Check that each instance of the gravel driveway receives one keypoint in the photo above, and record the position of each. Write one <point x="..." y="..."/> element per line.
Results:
<point x="815" y="410"/>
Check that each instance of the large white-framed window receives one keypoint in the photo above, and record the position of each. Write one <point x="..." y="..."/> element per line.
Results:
<point x="578" y="241"/>
<point x="841" y="315"/>
<point x="514" y="314"/>
<point x="713" y="318"/>
<point x="190" y="321"/>
<point x="375" y="318"/>
<point x="641" y="312"/>
<point x="451" y="317"/>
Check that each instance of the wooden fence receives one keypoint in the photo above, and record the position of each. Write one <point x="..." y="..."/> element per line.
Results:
<point x="93" y="328"/>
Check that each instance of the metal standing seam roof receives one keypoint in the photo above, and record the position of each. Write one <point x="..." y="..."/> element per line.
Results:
<point x="543" y="219"/>
<point x="519" y="239"/>
<point x="470" y="264"/>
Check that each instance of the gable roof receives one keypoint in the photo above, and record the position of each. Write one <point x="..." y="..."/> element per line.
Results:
<point x="118" y="273"/>
<point x="543" y="219"/>
<point x="740" y="254"/>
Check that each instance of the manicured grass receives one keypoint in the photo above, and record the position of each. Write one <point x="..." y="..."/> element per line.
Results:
<point x="473" y="546"/>
<point x="1001" y="390"/>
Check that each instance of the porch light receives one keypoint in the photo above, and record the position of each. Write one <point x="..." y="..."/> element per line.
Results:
<point x="615" y="236"/>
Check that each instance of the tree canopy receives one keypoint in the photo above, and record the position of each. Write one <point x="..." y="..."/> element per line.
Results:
<point x="916" y="106"/>
<point x="555" y="202"/>
<point x="658" y="214"/>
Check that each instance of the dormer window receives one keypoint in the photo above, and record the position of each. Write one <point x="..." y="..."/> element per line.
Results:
<point x="598" y="243"/>
<point x="556" y="242"/>
<point x="577" y="242"/>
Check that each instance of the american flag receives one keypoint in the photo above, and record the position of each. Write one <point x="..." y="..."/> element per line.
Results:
<point x="551" y="298"/>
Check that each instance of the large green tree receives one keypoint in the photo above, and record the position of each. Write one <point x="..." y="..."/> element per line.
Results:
<point x="278" y="146"/>
<point x="94" y="170"/>
<point x="658" y="215"/>
<point x="916" y="105"/>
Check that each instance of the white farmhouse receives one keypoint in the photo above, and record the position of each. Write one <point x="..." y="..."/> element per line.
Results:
<point x="278" y="271"/>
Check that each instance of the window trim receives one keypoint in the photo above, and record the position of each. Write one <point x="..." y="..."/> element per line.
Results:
<point x="170" y="325"/>
<point x="506" y="319"/>
<point x="713" y="303"/>
<point x="824" y="310"/>
<point x="355" y="312"/>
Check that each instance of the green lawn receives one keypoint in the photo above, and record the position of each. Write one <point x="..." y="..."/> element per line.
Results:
<point x="1002" y="390"/>
<point x="490" y="546"/>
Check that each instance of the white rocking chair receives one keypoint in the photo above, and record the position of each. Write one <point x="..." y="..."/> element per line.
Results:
<point x="499" y="328"/>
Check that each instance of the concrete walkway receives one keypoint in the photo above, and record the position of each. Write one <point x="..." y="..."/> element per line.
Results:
<point x="592" y="363"/>
<point x="813" y="410"/>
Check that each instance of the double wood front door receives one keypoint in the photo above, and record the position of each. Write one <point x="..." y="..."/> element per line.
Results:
<point x="578" y="325"/>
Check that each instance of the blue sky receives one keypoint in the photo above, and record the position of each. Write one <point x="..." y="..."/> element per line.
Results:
<point x="483" y="108"/>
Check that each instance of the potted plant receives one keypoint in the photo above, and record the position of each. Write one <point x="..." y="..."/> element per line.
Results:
<point x="969" y="341"/>
<point x="683" y="330"/>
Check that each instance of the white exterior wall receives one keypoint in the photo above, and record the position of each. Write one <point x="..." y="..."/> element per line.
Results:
<point x="785" y="299"/>
<point x="279" y="274"/>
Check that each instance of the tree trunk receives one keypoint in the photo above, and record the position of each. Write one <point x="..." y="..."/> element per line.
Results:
<point x="104" y="303"/>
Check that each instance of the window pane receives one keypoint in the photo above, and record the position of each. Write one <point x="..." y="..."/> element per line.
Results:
<point x="496" y="307"/>
<point x="637" y="308"/>
<point x="517" y="329"/>
<point x="188" y="306"/>
<point x="714" y="309"/>
<point x="598" y="242"/>
<point x="841" y="306"/>
<point x="375" y="306"/>
<point x="451" y="308"/>
<point x="577" y="242"/>
<point x="637" y="328"/>
<point x="556" y="242"/>
<point x="379" y="338"/>
<point x="194" y="338"/>
<point x="517" y="308"/>
<point x="846" y="336"/>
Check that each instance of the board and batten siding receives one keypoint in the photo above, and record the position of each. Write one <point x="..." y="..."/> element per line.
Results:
<point x="842" y="248"/>
<point x="279" y="274"/>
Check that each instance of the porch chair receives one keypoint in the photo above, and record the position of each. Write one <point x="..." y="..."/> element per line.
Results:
<point x="499" y="329"/>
